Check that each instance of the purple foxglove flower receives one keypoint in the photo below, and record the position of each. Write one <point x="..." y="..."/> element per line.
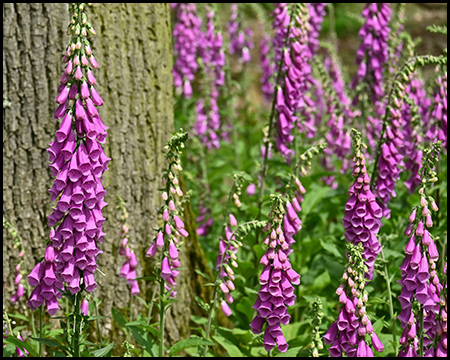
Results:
<point x="69" y="68"/>
<point x="167" y="229"/>
<point x="64" y="78"/>
<point x="133" y="260"/>
<point x="183" y="232"/>
<point x="135" y="288"/>
<point x="61" y="110"/>
<point x="377" y="345"/>
<point x="93" y="62"/>
<point x="84" y="92"/>
<point x="160" y="240"/>
<point x="34" y="278"/>
<point x="96" y="99"/>
<point x="165" y="215"/>
<point x="80" y="113"/>
<point x="84" y="307"/>
<point x="73" y="91"/>
<point x="166" y="272"/>
<point x="432" y="251"/>
<point x="90" y="78"/>
<point x="19" y="352"/>
<point x="257" y="324"/>
<point x="89" y="281"/>
<point x="78" y="74"/>
<point x="91" y="109"/>
<point x="187" y="89"/>
<point x="52" y="305"/>
<point x="63" y="95"/>
<point x="173" y="252"/>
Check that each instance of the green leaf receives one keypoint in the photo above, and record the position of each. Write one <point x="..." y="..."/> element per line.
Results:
<point x="395" y="254"/>
<point x="322" y="280"/>
<point x="232" y="349"/>
<point x="376" y="300"/>
<point x="378" y="325"/>
<point x="330" y="247"/>
<point x="47" y="342"/>
<point x="146" y="278"/>
<point x="20" y="344"/>
<point x="96" y="317"/>
<point x="103" y="352"/>
<point x="206" y="276"/>
<point x="142" y="301"/>
<point x="20" y="316"/>
<point x="316" y="197"/>
<point x="186" y="343"/>
<point x="119" y="318"/>
<point x="143" y="339"/>
<point x="8" y="350"/>
<point x="290" y="353"/>
<point x="199" y="320"/>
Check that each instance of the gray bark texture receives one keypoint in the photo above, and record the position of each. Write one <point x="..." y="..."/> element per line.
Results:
<point x="133" y="47"/>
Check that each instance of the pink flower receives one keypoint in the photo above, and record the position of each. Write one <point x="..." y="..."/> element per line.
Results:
<point x="84" y="307"/>
<point x="225" y="308"/>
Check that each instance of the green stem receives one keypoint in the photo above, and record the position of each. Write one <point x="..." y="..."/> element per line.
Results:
<point x="131" y="307"/>
<point x="76" y="327"/>
<point x="391" y="305"/>
<point x="161" y="320"/>
<point x="210" y="313"/>
<point x="97" y="322"/>
<point x="421" y="332"/>
<point x="40" y="329"/>
<point x="8" y="321"/>
<point x="33" y="325"/>
<point x="149" y="315"/>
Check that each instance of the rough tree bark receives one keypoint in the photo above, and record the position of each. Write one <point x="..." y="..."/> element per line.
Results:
<point x="133" y="46"/>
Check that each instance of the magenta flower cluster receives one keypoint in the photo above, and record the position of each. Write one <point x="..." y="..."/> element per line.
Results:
<point x="77" y="163"/>
<point x="166" y="241"/>
<point x="18" y="281"/>
<point x="414" y="116"/>
<point x="316" y="15"/>
<point x="227" y="250"/>
<point x="420" y="283"/>
<point x="204" y="219"/>
<point x="211" y="51"/>
<point x="240" y="40"/>
<point x="278" y="276"/>
<point x="371" y="58"/>
<point x="372" y="54"/>
<point x="186" y="35"/>
<point x="438" y="126"/>
<point x="267" y="67"/>
<point x="128" y="271"/>
<point x="361" y="222"/>
<point x="362" y="215"/>
<point x="390" y="160"/>
<point x="43" y="276"/>
<point x="290" y="97"/>
<point x="348" y="333"/>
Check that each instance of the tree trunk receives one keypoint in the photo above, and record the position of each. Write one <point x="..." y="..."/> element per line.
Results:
<point x="133" y="47"/>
